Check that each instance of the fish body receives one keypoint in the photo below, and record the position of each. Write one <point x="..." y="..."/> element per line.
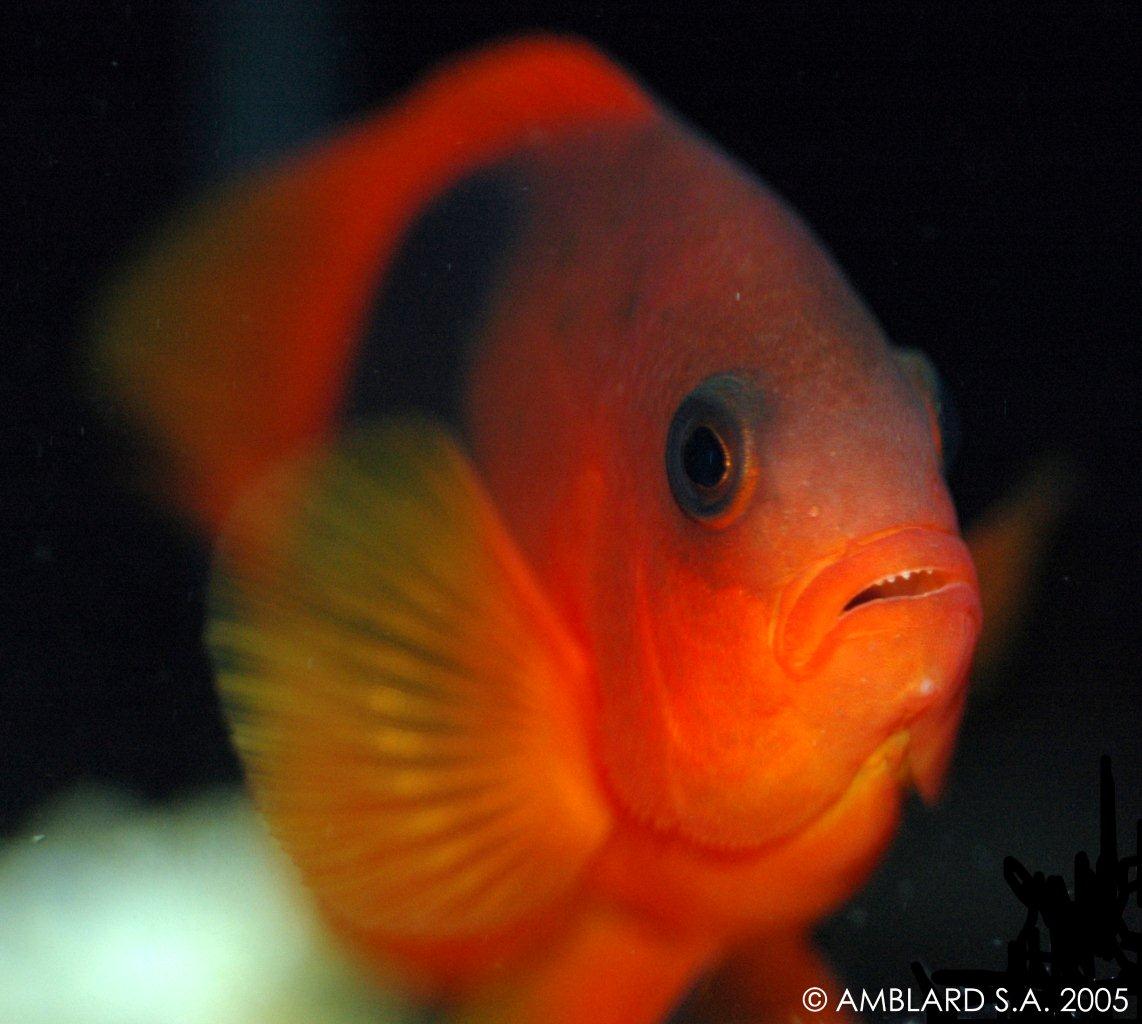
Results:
<point x="587" y="591"/>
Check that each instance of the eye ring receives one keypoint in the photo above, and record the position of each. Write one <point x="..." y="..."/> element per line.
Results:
<point x="709" y="450"/>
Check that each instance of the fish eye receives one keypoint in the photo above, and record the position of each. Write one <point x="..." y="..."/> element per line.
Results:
<point x="709" y="456"/>
<point x="924" y="376"/>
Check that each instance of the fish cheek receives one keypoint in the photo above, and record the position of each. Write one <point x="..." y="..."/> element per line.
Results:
<point x="690" y="698"/>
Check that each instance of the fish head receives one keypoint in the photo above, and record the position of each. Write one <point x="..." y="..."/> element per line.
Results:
<point x="772" y="584"/>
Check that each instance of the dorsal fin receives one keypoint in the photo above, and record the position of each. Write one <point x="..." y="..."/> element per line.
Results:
<point x="229" y="341"/>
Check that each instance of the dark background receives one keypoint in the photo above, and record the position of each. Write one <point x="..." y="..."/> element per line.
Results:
<point x="973" y="168"/>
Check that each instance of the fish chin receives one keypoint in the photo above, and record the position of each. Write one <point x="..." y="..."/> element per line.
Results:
<point x="888" y="694"/>
<point x="899" y="668"/>
<point x="814" y="869"/>
<point x="930" y="749"/>
<point x="733" y="719"/>
<point x="789" y="881"/>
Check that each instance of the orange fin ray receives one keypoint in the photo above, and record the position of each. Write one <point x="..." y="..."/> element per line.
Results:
<point x="1008" y="545"/>
<point x="423" y="761"/>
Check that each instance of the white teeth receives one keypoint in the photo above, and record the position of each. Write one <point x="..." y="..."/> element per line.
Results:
<point x="904" y="574"/>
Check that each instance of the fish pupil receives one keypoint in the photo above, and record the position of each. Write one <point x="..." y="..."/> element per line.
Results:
<point x="704" y="457"/>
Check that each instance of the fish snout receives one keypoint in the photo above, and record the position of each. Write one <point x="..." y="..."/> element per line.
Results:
<point x="889" y="582"/>
<point x="880" y="641"/>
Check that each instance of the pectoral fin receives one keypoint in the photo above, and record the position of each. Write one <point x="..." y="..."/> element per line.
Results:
<point x="1007" y="546"/>
<point x="410" y="710"/>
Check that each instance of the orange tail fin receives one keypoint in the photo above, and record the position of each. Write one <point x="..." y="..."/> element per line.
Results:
<point x="228" y="342"/>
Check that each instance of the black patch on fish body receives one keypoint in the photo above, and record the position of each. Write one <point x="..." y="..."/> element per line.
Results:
<point x="433" y="302"/>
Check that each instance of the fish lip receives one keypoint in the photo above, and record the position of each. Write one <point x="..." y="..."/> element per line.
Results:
<point x="820" y="600"/>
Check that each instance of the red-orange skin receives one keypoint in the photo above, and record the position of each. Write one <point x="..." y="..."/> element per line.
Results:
<point x="652" y="264"/>
<point x="751" y="746"/>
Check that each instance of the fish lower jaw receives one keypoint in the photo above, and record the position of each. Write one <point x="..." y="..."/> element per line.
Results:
<point x="792" y="881"/>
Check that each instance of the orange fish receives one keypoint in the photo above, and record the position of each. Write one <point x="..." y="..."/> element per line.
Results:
<point x="588" y="592"/>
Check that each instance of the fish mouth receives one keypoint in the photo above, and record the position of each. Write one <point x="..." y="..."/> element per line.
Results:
<point x="906" y="583"/>
<point x="870" y="578"/>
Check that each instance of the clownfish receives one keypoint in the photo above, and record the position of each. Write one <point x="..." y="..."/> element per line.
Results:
<point x="588" y="593"/>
